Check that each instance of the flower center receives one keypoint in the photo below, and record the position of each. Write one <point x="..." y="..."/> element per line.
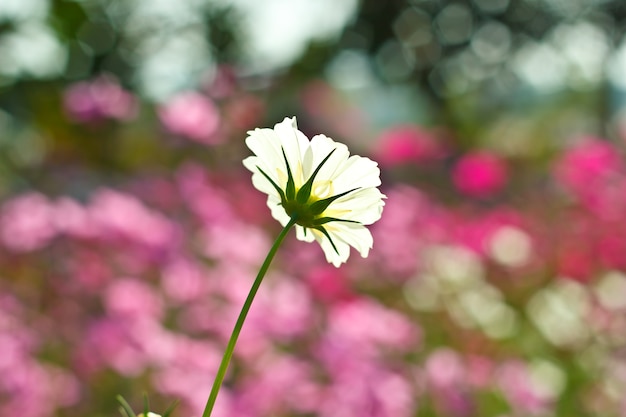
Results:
<point x="306" y="213"/>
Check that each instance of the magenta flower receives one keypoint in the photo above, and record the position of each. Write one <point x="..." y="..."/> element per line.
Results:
<point x="588" y="163"/>
<point x="407" y="144"/>
<point x="480" y="174"/>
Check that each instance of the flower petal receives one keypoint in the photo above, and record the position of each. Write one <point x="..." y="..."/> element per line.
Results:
<point x="295" y="144"/>
<point x="353" y="234"/>
<point x="364" y="206"/>
<point x="356" y="172"/>
<point x="305" y="237"/>
<point x="336" y="258"/>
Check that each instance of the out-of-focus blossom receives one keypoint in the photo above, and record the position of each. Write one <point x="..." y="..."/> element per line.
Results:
<point x="480" y="174"/>
<point x="330" y="194"/>
<point x="594" y="172"/>
<point x="446" y="376"/>
<point x="591" y="162"/>
<point x="118" y="215"/>
<point x="192" y="115"/>
<point x="407" y="144"/>
<point x="329" y="284"/>
<point x="412" y="222"/>
<point x="132" y="298"/>
<point x="523" y="393"/>
<point x="100" y="99"/>
<point x="27" y="222"/>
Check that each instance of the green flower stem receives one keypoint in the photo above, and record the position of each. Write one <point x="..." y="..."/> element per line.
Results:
<point x="221" y="372"/>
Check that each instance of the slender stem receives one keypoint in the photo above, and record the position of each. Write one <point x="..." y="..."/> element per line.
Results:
<point x="221" y="372"/>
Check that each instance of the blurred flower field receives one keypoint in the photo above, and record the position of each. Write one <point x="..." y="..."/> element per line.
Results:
<point x="130" y="234"/>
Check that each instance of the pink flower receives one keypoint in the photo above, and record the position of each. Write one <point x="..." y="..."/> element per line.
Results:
<point x="27" y="223"/>
<point x="594" y="172"/>
<point x="480" y="174"/>
<point x="329" y="284"/>
<point x="445" y="369"/>
<point x="118" y="215"/>
<point x="97" y="100"/>
<point x="521" y="391"/>
<point x="192" y="115"/>
<point x="407" y="144"/>
<point x="132" y="298"/>
<point x="590" y="162"/>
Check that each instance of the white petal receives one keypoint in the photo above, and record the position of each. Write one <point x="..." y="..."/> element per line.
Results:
<point x="295" y="144"/>
<point x="265" y="144"/>
<point x="305" y="237"/>
<point x="278" y="212"/>
<point x="352" y="234"/>
<point x="364" y="206"/>
<point x="357" y="172"/>
<point x="321" y="146"/>
<point x="331" y="256"/>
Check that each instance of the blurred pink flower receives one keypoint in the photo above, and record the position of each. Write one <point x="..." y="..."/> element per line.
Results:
<point x="407" y="144"/>
<point x="369" y="389"/>
<point x="183" y="280"/>
<point x="329" y="285"/>
<point x="71" y="218"/>
<point x="444" y="369"/>
<point x="27" y="222"/>
<point x="284" y="310"/>
<point x="476" y="231"/>
<point x="449" y="383"/>
<point x="109" y="342"/>
<point x="480" y="174"/>
<point x="594" y="172"/>
<point x="132" y="298"/>
<point x="193" y="116"/>
<point x="590" y="162"/>
<point x="121" y="216"/>
<point x="234" y="241"/>
<point x="263" y="393"/>
<point x="521" y="391"/>
<point x="364" y="329"/>
<point x="412" y="222"/>
<point x="102" y="98"/>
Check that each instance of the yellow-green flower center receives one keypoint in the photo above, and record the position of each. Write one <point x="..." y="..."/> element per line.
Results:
<point x="304" y="213"/>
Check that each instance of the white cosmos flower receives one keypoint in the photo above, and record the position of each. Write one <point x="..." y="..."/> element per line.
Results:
<point x="331" y="194"/>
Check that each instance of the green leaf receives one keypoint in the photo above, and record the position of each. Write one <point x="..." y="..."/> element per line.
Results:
<point x="305" y="192"/>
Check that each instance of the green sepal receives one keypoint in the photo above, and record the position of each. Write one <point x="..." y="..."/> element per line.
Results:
<point x="321" y="229"/>
<point x="305" y="191"/>
<point x="324" y="220"/>
<point x="319" y="206"/>
<point x="125" y="408"/>
<point x="291" y="187"/>
<point x="278" y="189"/>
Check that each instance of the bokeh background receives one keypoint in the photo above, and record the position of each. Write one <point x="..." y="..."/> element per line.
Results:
<point x="130" y="233"/>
